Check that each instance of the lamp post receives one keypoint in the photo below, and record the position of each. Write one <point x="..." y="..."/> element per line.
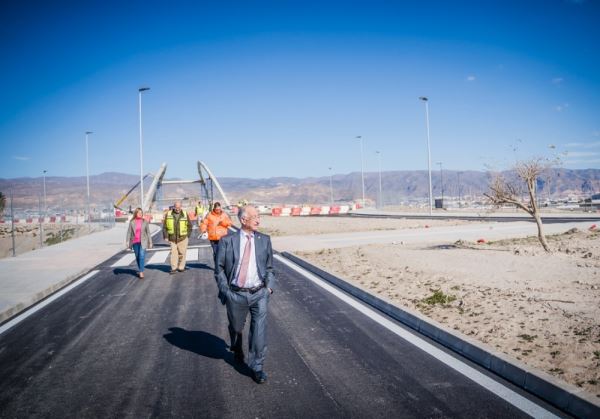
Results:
<point x="330" y="187"/>
<point x="426" y="100"/>
<point x="362" y="169"/>
<point x="458" y="176"/>
<point x="442" y="182"/>
<point x="87" y="175"/>
<point x="140" y="91"/>
<point x="45" y="206"/>
<point x="380" y="189"/>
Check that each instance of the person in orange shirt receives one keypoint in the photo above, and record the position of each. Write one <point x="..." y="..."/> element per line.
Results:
<point x="216" y="224"/>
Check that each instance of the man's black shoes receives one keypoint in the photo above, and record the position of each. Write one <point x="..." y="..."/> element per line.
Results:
<point x="173" y="272"/>
<point x="259" y="376"/>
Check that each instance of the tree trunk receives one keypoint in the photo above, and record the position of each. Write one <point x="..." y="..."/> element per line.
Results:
<point x="541" y="236"/>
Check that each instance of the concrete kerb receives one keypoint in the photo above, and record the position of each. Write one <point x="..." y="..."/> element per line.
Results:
<point x="566" y="397"/>
<point x="11" y="312"/>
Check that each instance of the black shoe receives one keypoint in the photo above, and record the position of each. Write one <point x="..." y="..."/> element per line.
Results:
<point x="259" y="376"/>
<point x="238" y="356"/>
<point x="173" y="272"/>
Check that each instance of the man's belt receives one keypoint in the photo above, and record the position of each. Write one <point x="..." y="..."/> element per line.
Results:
<point x="250" y="290"/>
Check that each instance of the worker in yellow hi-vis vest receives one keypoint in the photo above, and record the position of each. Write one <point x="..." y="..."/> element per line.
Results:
<point x="200" y="212"/>
<point x="177" y="229"/>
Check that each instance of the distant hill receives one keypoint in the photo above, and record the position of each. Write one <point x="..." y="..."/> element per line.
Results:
<point x="398" y="187"/>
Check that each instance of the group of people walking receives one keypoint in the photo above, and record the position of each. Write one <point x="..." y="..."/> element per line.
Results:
<point x="243" y="268"/>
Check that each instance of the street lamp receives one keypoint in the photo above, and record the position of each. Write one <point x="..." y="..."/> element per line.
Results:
<point x="380" y="190"/>
<point x="140" y="90"/>
<point x="442" y="182"/>
<point x="362" y="169"/>
<point x="458" y="176"/>
<point x="424" y="99"/>
<point x="87" y="173"/>
<point x="330" y="187"/>
<point x="45" y="207"/>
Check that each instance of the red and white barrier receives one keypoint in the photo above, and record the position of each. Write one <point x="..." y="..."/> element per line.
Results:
<point x="314" y="210"/>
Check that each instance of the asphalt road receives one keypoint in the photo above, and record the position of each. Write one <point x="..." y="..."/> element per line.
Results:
<point x="118" y="346"/>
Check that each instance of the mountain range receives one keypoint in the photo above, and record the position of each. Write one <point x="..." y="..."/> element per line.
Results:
<point x="397" y="186"/>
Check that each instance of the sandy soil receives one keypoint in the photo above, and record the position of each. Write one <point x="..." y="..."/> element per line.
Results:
<point x="27" y="236"/>
<point x="543" y="309"/>
<point x="291" y="226"/>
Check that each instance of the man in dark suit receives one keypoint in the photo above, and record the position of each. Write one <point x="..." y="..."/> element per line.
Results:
<point x="244" y="275"/>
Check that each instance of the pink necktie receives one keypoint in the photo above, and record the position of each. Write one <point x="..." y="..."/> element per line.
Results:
<point x="245" y="262"/>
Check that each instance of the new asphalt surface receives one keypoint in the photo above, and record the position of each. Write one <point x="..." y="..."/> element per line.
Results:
<point x="119" y="346"/>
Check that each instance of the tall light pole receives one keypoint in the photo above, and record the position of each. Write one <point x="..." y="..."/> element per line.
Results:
<point x="45" y="206"/>
<point x="380" y="190"/>
<point x="87" y="174"/>
<point x="330" y="187"/>
<point x="442" y="182"/>
<point x="458" y="176"/>
<point x="424" y="99"/>
<point x="362" y="169"/>
<point x="140" y="91"/>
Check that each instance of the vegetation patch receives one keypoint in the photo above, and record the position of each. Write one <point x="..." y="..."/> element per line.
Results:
<point x="438" y="297"/>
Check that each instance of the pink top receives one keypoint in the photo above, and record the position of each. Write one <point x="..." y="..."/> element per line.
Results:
<point x="138" y="231"/>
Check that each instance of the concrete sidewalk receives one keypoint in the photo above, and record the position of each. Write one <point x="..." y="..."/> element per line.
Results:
<point x="30" y="277"/>
<point x="434" y="235"/>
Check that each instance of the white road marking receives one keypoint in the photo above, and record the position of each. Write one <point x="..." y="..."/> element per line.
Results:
<point x="125" y="260"/>
<point x="483" y="380"/>
<point x="191" y="254"/>
<point x="23" y="316"/>
<point x="158" y="257"/>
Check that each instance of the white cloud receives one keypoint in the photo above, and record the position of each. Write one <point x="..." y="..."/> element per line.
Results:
<point x="596" y="133"/>
<point x="471" y="78"/>
<point x="557" y="80"/>
<point x="584" y="145"/>
<point x="22" y="158"/>
<point x="562" y="107"/>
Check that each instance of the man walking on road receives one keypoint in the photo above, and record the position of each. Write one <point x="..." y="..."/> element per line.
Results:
<point x="216" y="224"/>
<point x="177" y="228"/>
<point x="244" y="275"/>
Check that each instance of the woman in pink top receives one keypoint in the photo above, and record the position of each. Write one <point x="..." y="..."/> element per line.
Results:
<point x="138" y="238"/>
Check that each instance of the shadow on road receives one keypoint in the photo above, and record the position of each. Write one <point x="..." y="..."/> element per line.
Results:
<point x="129" y="271"/>
<point x="199" y="266"/>
<point x="204" y="344"/>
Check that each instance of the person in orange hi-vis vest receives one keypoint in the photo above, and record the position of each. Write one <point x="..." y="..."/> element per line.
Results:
<point x="216" y="224"/>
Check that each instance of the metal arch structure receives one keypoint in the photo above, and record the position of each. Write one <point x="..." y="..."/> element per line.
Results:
<point x="150" y="197"/>
<point x="207" y="182"/>
<point x="213" y="181"/>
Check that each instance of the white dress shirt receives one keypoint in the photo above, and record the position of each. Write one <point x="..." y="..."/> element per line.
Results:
<point x="252" y="278"/>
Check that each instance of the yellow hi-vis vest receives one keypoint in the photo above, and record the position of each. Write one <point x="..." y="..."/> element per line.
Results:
<point x="199" y="210"/>
<point x="183" y="224"/>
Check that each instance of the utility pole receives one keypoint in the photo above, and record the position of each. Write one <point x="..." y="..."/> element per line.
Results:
<point x="12" y="224"/>
<point x="442" y="182"/>
<point x="426" y="100"/>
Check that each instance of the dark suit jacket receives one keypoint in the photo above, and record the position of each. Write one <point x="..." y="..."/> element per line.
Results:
<point x="228" y="257"/>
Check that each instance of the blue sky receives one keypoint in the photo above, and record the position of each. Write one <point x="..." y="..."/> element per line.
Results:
<point x="282" y="88"/>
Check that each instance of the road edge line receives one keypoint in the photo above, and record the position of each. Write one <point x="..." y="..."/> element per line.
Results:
<point x="38" y="305"/>
<point x="564" y="396"/>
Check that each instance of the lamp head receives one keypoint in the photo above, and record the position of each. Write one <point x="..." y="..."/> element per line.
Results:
<point x="143" y="89"/>
<point x="423" y="98"/>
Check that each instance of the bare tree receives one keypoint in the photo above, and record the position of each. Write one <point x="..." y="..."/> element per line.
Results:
<point x="511" y="191"/>
<point x="2" y="203"/>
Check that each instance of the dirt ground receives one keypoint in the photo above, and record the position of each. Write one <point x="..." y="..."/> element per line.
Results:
<point x="543" y="309"/>
<point x="291" y="226"/>
<point x="27" y="236"/>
